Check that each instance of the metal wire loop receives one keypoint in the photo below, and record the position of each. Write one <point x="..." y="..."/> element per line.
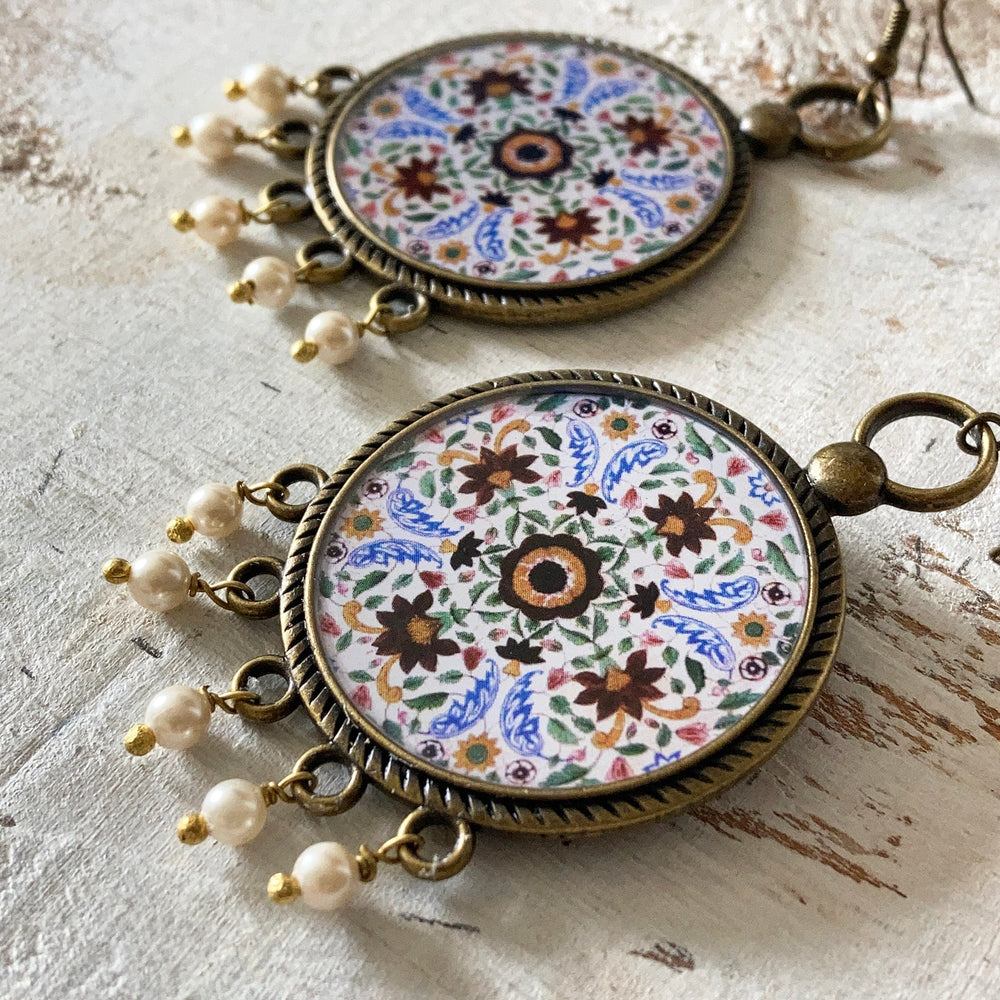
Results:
<point x="929" y="404"/>
<point x="248" y="605"/>
<point x="290" y="476"/>
<point x="271" y="488"/>
<point x="973" y="444"/>
<point x="249" y="704"/>
<point x="323" y="261"/>
<point x="330" y="82"/>
<point x="396" y="308"/>
<point x="288" y="140"/>
<point x="336" y="802"/>
<point x="436" y="868"/>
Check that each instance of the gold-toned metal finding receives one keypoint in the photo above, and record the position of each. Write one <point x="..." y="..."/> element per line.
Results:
<point x="283" y="888"/>
<point x="242" y="600"/>
<point x="877" y="110"/>
<point x="139" y="740"/>
<point x="287" y="477"/>
<point x="315" y="264"/>
<point x="192" y="829"/>
<point x="117" y="570"/>
<point x="929" y="404"/>
<point x="284" y="790"/>
<point x="180" y="530"/>
<point x="281" y="202"/>
<point x="329" y="83"/>
<point x="249" y="704"/>
<point x="228" y="588"/>
<point x="852" y="478"/>
<point x="269" y="487"/>
<point x="396" y="308"/>
<point x="182" y="220"/>
<point x="181" y="135"/>
<point x="304" y="351"/>
<point x="339" y="801"/>
<point x="435" y="869"/>
<point x="288" y="139"/>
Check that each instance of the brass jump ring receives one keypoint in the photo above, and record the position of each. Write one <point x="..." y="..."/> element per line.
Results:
<point x="436" y="869"/>
<point x="929" y="404"/>
<point x="853" y="149"/>
<point x="261" y="711"/>
<point x="338" y="802"/>
<point x="289" y="476"/>
<point x="979" y="421"/>
<point x="243" y="573"/>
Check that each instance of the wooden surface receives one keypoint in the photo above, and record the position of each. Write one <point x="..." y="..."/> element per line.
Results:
<point x="861" y="862"/>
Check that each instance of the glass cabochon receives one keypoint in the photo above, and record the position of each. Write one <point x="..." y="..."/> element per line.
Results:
<point x="530" y="161"/>
<point x="558" y="589"/>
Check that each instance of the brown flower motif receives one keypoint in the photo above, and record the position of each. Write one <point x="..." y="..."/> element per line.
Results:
<point x="419" y="179"/>
<point x="412" y="635"/>
<point x="550" y="576"/>
<point x="681" y="523"/>
<point x="621" y="690"/>
<point x="572" y="226"/>
<point x="530" y="153"/>
<point x="644" y="134"/>
<point x="496" y="471"/>
<point x="493" y="83"/>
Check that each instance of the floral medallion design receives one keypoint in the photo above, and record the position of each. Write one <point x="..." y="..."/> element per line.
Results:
<point x="534" y="161"/>
<point x="560" y="589"/>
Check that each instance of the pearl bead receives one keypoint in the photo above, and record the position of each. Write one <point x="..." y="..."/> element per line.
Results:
<point x="215" y="510"/>
<point x="234" y="811"/>
<point x="335" y="334"/>
<point x="217" y="220"/>
<point x="266" y="86"/>
<point x="179" y="716"/>
<point x="327" y="874"/>
<point x="159" y="580"/>
<point x="213" y="136"/>
<point x="273" y="281"/>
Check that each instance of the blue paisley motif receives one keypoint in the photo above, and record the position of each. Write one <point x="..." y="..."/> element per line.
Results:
<point x="585" y="450"/>
<point x="657" y="182"/>
<point x="520" y="728"/>
<point x="424" y="107"/>
<point x="623" y="461"/>
<point x="451" y="225"/>
<point x="463" y="713"/>
<point x="706" y="640"/>
<point x="647" y="211"/>
<point x="392" y="550"/>
<point x="728" y="596"/>
<point x="410" y="130"/>
<point x="411" y="514"/>
<point x="606" y="91"/>
<point x="488" y="240"/>
<point x="576" y="79"/>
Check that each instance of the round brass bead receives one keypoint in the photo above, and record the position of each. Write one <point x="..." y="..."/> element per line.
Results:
<point x="182" y="221"/>
<point x="192" y="829"/>
<point x="116" y="570"/>
<point x="304" y="351"/>
<point x="242" y="292"/>
<point x="881" y="64"/>
<point x="181" y="135"/>
<point x="283" y="888"/>
<point x="849" y="477"/>
<point x="180" y="530"/>
<point x="234" y="90"/>
<point x="139" y="740"/>
<point x="771" y="128"/>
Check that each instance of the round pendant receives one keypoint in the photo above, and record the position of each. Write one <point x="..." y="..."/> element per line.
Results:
<point x="562" y="602"/>
<point x="530" y="177"/>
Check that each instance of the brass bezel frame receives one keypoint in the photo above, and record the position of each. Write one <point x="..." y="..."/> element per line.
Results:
<point x="578" y="810"/>
<point x="512" y="302"/>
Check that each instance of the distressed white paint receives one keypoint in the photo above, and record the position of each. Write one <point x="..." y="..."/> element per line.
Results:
<point x="129" y="379"/>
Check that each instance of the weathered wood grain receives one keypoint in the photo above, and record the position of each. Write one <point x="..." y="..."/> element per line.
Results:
<point x="861" y="862"/>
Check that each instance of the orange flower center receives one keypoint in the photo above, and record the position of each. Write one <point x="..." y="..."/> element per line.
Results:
<point x="426" y="177"/>
<point x="673" y="525"/>
<point x="565" y="221"/>
<point x="422" y="630"/>
<point x="637" y="135"/>
<point x="617" y="679"/>
<point x="500" y="479"/>
<point x="498" y="89"/>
